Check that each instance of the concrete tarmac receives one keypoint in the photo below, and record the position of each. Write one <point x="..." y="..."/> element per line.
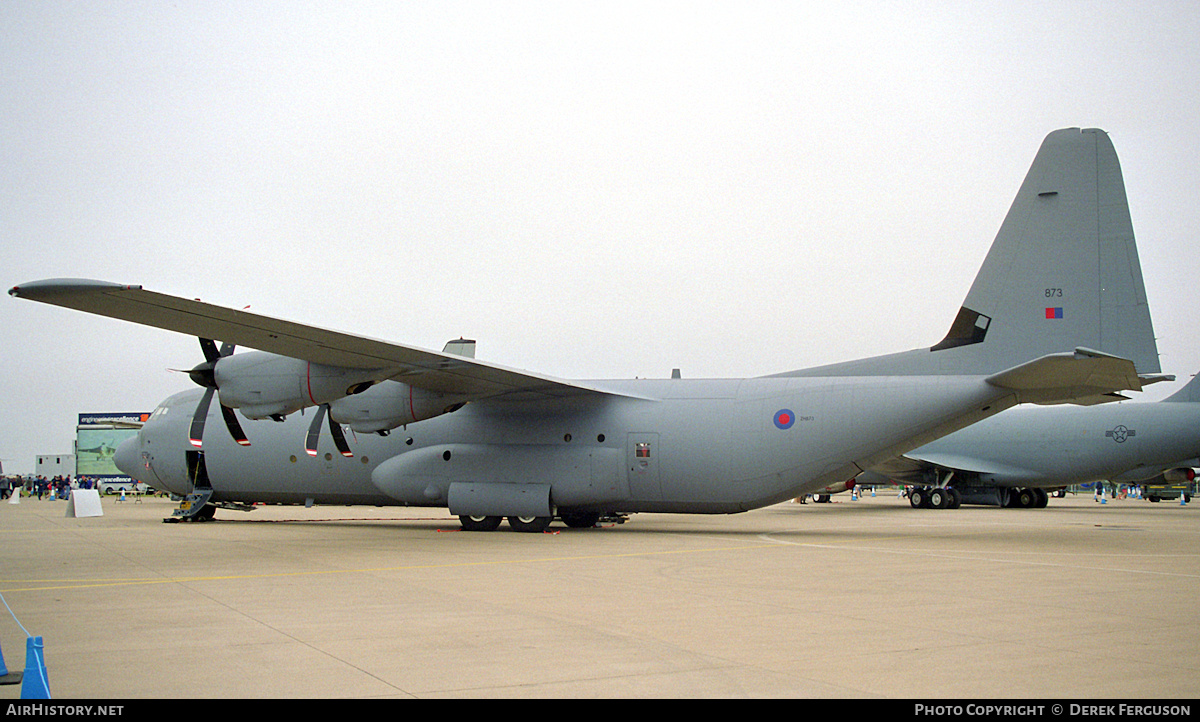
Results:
<point x="854" y="599"/>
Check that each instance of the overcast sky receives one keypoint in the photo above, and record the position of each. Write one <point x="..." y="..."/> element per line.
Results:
<point x="590" y="190"/>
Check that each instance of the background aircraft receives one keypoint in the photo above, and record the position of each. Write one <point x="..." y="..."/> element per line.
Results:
<point x="1012" y="459"/>
<point x="1057" y="313"/>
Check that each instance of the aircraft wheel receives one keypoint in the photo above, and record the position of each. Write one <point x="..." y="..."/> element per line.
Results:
<point x="480" y="523"/>
<point x="1040" y="498"/>
<point x="938" y="498"/>
<point x="917" y="497"/>
<point x="1025" y="499"/>
<point x="533" y="524"/>
<point x="955" y="498"/>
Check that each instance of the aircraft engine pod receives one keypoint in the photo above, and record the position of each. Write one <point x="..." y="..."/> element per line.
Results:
<point x="262" y="385"/>
<point x="1179" y="476"/>
<point x="390" y="404"/>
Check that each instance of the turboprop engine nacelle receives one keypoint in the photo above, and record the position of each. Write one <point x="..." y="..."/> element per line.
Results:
<point x="390" y="404"/>
<point x="262" y="385"/>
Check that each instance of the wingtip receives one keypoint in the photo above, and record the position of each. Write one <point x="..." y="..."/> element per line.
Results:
<point x="55" y="286"/>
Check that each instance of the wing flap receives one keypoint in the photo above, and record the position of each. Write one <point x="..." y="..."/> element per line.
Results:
<point x="422" y="368"/>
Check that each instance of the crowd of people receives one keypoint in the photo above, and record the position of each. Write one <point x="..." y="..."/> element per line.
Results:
<point x="58" y="487"/>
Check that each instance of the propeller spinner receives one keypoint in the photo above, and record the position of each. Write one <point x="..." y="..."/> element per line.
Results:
<point x="205" y="375"/>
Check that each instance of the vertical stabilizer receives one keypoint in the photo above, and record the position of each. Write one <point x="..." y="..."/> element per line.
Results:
<point x="460" y="347"/>
<point x="1063" y="273"/>
<point x="1189" y="393"/>
<point x="1064" y="269"/>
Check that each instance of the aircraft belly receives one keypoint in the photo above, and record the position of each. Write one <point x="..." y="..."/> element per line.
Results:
<point x="577" y="475"/>
<point x="275" y="468"/>
<point x="284" y="481"/>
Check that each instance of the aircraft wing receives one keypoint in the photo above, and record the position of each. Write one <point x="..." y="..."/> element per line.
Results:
<point x="962" y="462"/>
<point x="422" y="368"/>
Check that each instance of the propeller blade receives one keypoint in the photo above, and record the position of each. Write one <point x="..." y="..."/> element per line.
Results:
<point x="196" y="432"/>
<point x="312" y="440"/>
<point x="339" y="438"/>
<point x="314" y="430"/>
<point x="209" y="347"/>
<point x="235" y="428"/>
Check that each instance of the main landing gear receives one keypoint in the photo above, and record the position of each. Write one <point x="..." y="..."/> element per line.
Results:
<point x="532" y="524"/>
<point x="934" y="497"/>
<point x="949" y="497"/>
<point x="1027" y="499"/>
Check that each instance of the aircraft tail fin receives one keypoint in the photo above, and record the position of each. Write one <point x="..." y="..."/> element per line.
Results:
<point x="460" y="347"/>
<point x="1063" y="273"/>
<point x="1189" y="392"/>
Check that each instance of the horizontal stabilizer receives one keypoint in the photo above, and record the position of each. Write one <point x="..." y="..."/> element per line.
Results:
<point x="1077" y="377"/>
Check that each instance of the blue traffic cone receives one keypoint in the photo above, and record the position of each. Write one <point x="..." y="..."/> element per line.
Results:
<point x="35" y="685"/>
<point x="7" y="677"/>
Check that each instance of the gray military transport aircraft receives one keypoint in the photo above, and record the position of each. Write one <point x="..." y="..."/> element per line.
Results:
<point x="1056" y="314"/>
<point x="1012" y="459"/>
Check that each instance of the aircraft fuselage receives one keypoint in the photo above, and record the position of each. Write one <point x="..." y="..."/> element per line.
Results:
<point x="1048" y="447"/>
<point x="693" y="446"/>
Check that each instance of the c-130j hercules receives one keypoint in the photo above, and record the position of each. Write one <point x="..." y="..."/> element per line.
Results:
<point x="1056" y="314"/>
